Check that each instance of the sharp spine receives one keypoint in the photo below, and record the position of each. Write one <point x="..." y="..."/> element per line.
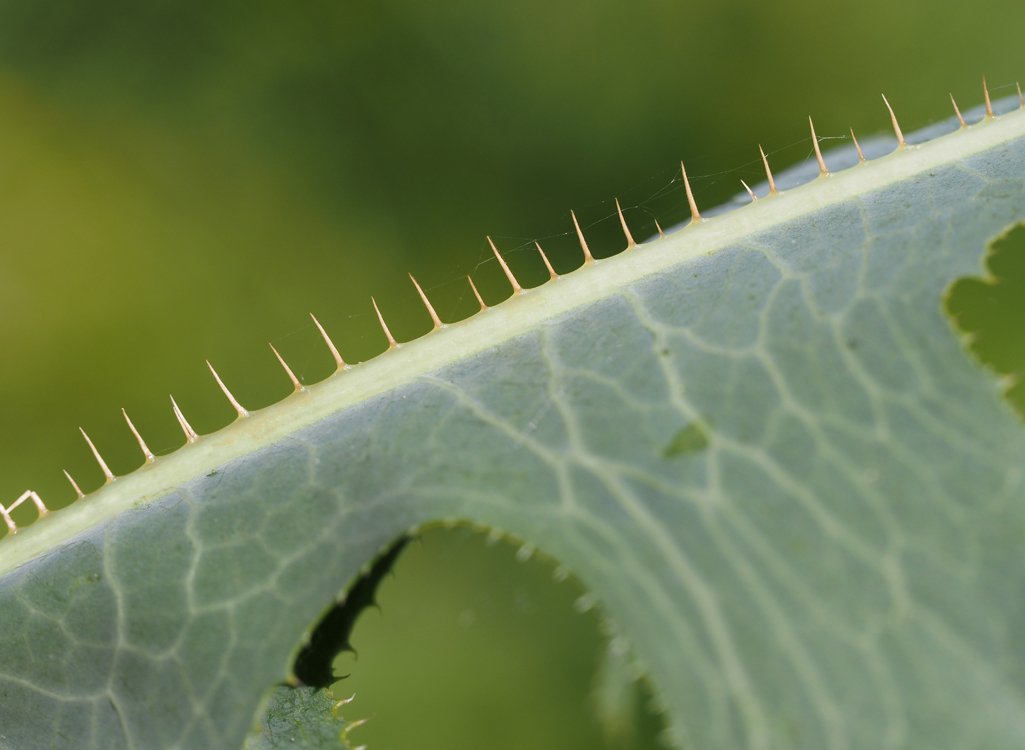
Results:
<point x="630" y="243"/>
<point x="74" y="485"/>
<point x="588" y="258"/>
<point x="480" y="300"/>
<point x="191" y="435"/>
<point x="695" y="215"/>
<point x="239" y="409"/>
<point x="768" y="172"/>
<point x="552" y="276"/>
<point x="339" y="362"/>
<point x="957" y="111"/>
<point x="857" y="147"/>
<point x="517" y="289"/>
<point x="427" y="303"/>
<point x="288" y="370"/>
<point x="823" y="171"/>
<point x="896" y="125"/>
<point x="146" y="452"/>
<point x="107" y="473"/>
<point x="392" y="343"/>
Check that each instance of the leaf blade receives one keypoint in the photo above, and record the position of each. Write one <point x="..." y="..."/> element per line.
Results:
<point x="826" y="549"/>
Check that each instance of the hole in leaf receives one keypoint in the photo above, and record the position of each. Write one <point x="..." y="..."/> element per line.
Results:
<point x="486" y="645"/>
<point x="990" y="312"/>
<point x="692" y="438"/>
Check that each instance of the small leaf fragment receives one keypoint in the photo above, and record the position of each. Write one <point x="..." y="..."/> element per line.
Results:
<point x="302" y="717"/>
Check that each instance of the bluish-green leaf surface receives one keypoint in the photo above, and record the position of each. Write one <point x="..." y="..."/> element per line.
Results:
<point x="759" y="442"/>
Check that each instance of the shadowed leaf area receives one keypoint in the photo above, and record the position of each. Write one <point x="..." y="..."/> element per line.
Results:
<point x="331" y="636"/>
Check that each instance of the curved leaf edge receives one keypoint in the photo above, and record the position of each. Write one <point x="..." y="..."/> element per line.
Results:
<point x="926" y="150"/>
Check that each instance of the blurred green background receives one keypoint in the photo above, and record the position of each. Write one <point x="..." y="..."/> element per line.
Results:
<point x="187" y="180"/>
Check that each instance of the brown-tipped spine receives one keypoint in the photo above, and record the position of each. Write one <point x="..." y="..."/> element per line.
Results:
<point x="146" y="452"/>
<point x="857" y="147"/>
<point x="552" y="276"/>
<point x="392" y="343"/>
<point x="288" y="370"/>
<point x="630" y="243"/>
<point x="749" y="191"/>
<point x="74" y="485"/>
<point x="661" y="233"/>
<point x="427" y="303"/>
<point x="695" y="215"/>
<point x="339" y="362"/>
<point x="823" y="172"/>
<point x="985" y="95"/>
<point x="957" y="111"/>
<point x="768" y="172"/>
<point x="191" y="435"/>
<point x="480" y="300"/>
<point x="588" y="258"/>
<point x="517" y="289"/>
<point x="239" y="409"/>
<point x="896" y="125"/>
<point x="107" y="473"/>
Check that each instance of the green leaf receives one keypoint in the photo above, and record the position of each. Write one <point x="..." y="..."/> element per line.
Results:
<point x="758" y="442"/>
